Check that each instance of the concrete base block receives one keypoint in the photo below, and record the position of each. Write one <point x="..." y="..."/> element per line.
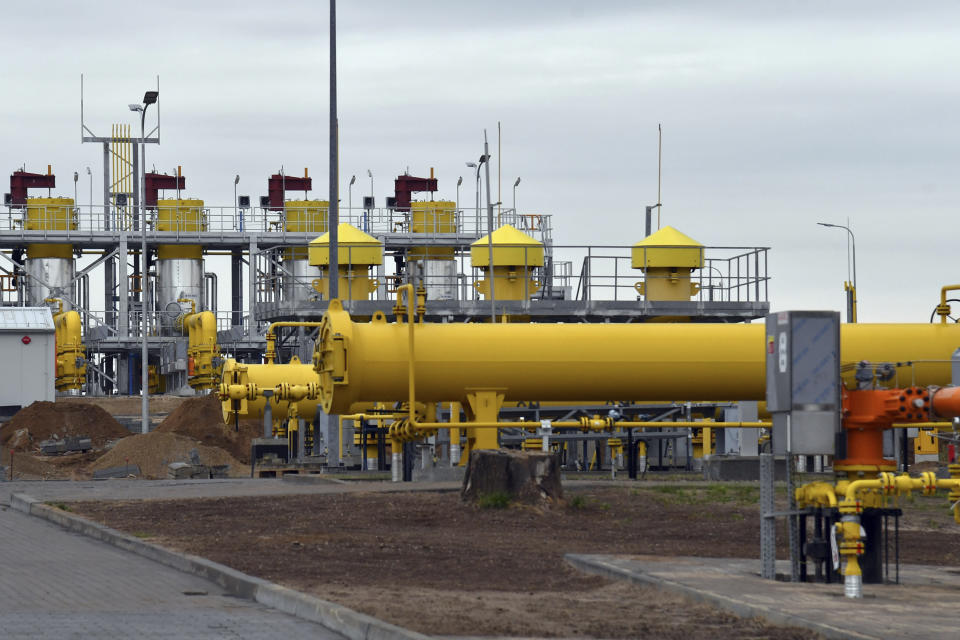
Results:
<point x="439" y="474"/>
<point x="126" y="471"/>
<point x="720" y="468"/>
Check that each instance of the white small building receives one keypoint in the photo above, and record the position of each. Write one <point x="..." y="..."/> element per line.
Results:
<point x="28" y="350"/>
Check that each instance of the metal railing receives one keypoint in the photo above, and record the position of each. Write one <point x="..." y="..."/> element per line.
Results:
<point x="728" y="274"/>
<point x="210" y="219"/>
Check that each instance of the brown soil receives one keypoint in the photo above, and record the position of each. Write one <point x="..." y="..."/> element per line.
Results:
<point x="29" y="467"/>
<point x="495" y="571"/>
<point x="130" y="405"/>
<point x="201" y="419"/>
<point x="153" y="451"/>
<point x="44" y="420"/>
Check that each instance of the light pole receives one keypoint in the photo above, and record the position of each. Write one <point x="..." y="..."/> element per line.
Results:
<point x="474" y="165"/>
<point x="149" y="98"/>
<point x="236" y="207"/>
<point x="459" y="182"/>
<point x="485" y="161"/>
<point x="350" y="195"/>
<point x="90" y="173"/>
<point x="367" y="212"/>
<point x="76" y="204"/>
<point x="850" y="286"/>
<point x="515" y="185"/>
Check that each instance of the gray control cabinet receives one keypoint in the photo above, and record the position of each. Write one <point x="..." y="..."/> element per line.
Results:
<point x="803" y="380"/>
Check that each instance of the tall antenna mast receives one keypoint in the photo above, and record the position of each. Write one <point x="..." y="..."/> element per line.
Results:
<point x="659" y="169"/>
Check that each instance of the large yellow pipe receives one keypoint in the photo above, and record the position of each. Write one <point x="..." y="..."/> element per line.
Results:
<point x="264" y="376"/>
<point x="553" y="362"/>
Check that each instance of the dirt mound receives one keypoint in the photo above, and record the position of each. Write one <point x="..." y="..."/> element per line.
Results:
<point x="153" y="451"/>
<point x="44" y="420"/>
<point x="201" y="419"/>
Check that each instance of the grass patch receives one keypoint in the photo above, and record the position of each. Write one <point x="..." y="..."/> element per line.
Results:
<point x="494" y="500"/>
<point x="577" y="502"/>
<point x="736" y="494"/>
<point x="141" y="534"/>
<point x="63" y="506"/>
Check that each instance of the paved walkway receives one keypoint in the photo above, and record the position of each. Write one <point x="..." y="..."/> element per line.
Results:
<point x="58" y="585"/>
<point x="133" y="489"/>
<point x="922" y="607"/>
<point x="130" y="489"/>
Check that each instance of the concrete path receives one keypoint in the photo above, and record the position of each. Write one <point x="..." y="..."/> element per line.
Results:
<point x="922" y="607"/>
<point x="133" y="489"/>
<point x="130" y="489"/>
<point x="56" y="585"/>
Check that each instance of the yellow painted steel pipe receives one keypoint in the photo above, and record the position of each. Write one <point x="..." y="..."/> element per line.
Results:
<point x="270" y="353"/>
<point x="943" y="309"/>
<point x="202" y="349"/>
<point x="71" y="354"/>
<point x="241" y="385"/>
<point x="567" y="362"/>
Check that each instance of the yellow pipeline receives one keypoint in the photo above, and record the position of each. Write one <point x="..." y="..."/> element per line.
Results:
<point x="241" y="385"/>
<point x="270" y="354"/>
<point x="71" y="353"/>
<point x="202" y="347"/>
<point x="943" y="309"/>
<point x="568" y="362"/>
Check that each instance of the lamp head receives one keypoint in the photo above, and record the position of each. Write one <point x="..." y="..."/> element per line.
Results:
<point x="826" y="224"/>
<point x="352" y="180"/>
<point x="135" y="107"/>
<point x="369" y="173"/>
<point x="150" y="97"/>
<point x="459" y="181"/>
<point x="89" y="173"/>
<point x="517" y="183"/>
<point x="236" y="180"/>
<point x="471" y="164"/>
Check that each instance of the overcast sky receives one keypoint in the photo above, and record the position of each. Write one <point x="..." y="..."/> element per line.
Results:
<point x="775" y="115"/>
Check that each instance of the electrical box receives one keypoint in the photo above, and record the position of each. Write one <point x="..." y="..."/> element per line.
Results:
<point x="28" y="350"/>
<point x="264" y="202"/>
<point x="368" y="202"/>
<point x="391" y="202"/>
<point x="243" y="202"/>
<point x="803" y="381"/>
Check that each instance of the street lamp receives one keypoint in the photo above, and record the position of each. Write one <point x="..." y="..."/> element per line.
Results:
<point x="90" y="173"/>
<point x="236" y="207"/>
<point x="76" y="176"/>
<point x="459" y="182"/>
<point x="485" y="160"/>
<point x="149" y="98"/>
<point x="849" y="286"/>
<point x="367" y="212"/>
<point x="515" y="185"/>
<point x="350" y="195"/>
<point x="474" y="165"/>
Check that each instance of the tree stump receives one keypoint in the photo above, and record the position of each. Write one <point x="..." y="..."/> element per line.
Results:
<point x="530" y="477"/>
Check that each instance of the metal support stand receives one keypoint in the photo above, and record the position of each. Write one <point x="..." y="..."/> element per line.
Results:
<point x="793" y="529"/>
<point x="768" y="532"/>
<point x="267" y="414"/>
